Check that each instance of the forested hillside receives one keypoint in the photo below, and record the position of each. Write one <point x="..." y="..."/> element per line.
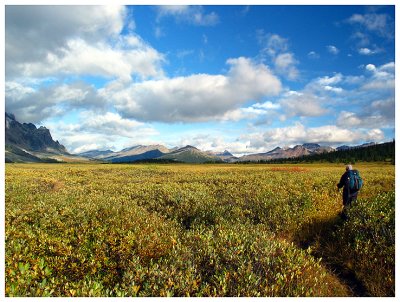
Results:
<point x="378" y="152"/>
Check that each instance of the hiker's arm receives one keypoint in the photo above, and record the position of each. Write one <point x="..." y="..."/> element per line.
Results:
<point x="342" y="181"/>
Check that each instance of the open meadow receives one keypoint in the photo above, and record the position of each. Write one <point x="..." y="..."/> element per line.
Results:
<point x="197" y="230"/>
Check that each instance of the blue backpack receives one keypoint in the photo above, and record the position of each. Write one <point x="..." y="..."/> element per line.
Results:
<point x="355" y="180"/>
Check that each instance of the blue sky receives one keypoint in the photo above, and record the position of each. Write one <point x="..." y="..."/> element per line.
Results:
<point x="241" y="78"/>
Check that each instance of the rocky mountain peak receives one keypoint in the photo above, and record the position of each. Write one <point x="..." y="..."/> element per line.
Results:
<point x="27" y="136"/>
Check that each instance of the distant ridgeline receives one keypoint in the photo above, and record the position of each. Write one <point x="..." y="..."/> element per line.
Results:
<point x="377" y="152"/>
<point x="24" y="142"/>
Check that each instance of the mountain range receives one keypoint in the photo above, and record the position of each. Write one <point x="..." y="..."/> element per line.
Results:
<point x="24" y="142"/>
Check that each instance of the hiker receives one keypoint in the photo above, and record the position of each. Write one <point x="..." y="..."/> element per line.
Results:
<point x="351" y="183"/>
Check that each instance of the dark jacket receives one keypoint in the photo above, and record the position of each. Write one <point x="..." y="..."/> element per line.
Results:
<point x="348" y="195"/>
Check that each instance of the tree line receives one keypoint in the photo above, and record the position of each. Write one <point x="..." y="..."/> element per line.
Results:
<point x="379" y="152"/>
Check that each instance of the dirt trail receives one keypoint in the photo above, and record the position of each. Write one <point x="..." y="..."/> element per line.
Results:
<point x="349" y="278"/>
<point x="320" y="242"/>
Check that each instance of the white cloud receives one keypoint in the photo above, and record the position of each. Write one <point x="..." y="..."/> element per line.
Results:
<point x="276" y="44"/>
<point x="383" y="77"/>
<point x="333" y="89"/>
<point x="304" y="105"/>
<point x="130" y="56"/>
<point x="313" y="55"/>
<point x="285" y="64"/>
<point x="384" y="109"/>
<point x="377" y="114"/>
<point x="241" y="114"/>
<point x="377" y="23"/>
<point x="370" y="67"/>
<point x="42" y="41"/>
<point x="33" y="32"/>
<point x="109" y="123"/>
<point x="299" y="134"/>
<point x="333" y="49"/>
<point x="100" y="131"/>
<point x="267" y="105"/>
<point x="258" y="112"/>
<point x="348" y="119"/>
<point x="34" y="105"/>
<point x="388" y="66"/>
<point x="173" y="9"/>
<point x="314" y="100"/>
<point x="362" y="38"/>
<point x="17" y="91"/>
<point x="380" y="85"/>
<point x="365" y="26"/>
<point x="194" y="98"/>
<point x="190" y="14"/>
<point x="213" y="142"/>
<point x="354" y="80"/>
<point x="366" y="51"/>
<point x="276" y="48"/>
<point x="326" y="80"/>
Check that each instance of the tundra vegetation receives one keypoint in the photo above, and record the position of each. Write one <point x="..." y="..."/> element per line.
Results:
<point x="197" y="230"/>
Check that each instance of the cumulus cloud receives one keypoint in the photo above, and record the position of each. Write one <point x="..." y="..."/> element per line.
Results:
<point x="363" y="39"/>
<point x="327" y="80"/>
<point x="274" y="43"/>
<point x="326" y="84"/>
<point x="108" y="124"/>
<point x="303" y="105"/>
<point x="333" y="89"/>
<point x="383" y="77"/>
<point x="50" y="49"/>
<point x="375" y="95"/>
<point x="328" y="87"/>
<point x="377" y="114"/>
<point x="190" y="14"/>
<point x="298" y="134"/>
<point x="313" y="55"/>
<point x="43" y="41"/>
<point x="199" y="97"/>
<point x="370" y="67"/>
<point x="332" y="49"/>
<point x="348" y="119"/>
<point x="314" y="100"/>
<point x="261" y="113"/>
<point x="100" y="131"/>
<point x="366" y="26"/>
<point x="34" y="105"/>
<point x="266" y="105"/>
<point x="377" y="23"/>
<point x="34" y="31"/>
<point x="239" y="114"/>
<point x="368" y="52"/>
<point x="276" y="48"/>
<point x="129" y="56"/>
<point x="215" y="142"/>
<point x="370" y="97"/>
<point x="285" y="64"/>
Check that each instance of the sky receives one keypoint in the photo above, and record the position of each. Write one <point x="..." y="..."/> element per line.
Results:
<point x="219" y="77"/>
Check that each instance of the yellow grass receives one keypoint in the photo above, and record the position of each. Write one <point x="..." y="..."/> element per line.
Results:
<point x="193" y="230"/>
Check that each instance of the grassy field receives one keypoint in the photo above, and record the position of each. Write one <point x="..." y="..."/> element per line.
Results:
<point x="196" y="230"/>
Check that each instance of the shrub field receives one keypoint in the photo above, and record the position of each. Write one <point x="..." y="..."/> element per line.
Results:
<point x="197" y="230"/>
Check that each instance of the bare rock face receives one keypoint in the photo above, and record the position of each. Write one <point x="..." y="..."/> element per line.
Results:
<point x="26" y="136"/>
